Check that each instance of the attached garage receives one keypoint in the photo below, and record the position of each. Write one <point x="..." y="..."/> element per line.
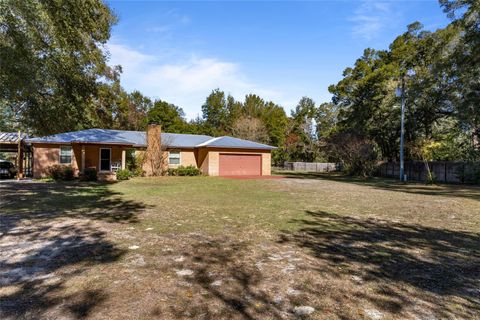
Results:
<point x="240" y="164"/>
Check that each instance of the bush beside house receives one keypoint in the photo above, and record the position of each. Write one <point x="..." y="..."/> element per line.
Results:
<point x="184" y="171"/>
<point x="60" y="172"/>
<point x="90" y="174"/>
<point x="124" y="174"/>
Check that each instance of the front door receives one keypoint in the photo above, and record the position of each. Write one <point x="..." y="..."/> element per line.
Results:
<point x="105" y="159"/>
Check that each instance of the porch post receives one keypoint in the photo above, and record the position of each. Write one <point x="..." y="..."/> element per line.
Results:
<point x="124" y="158"/>
<point x="83" y="159"/>
<point x="19" y="156"/>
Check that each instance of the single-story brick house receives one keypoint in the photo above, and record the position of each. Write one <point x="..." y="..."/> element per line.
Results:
<point x="106" y="150"/>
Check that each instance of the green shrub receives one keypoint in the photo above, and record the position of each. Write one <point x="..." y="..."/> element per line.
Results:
<point x="61" y="172"/>
<point x="123" y="174"/>
<point x="134" y="164"/>
<point x="136" y="172"/>
<point x="184" y="171"/>
<point x="68" y="173"/>
<point x="55" y="172"/>
<point x="90" y="174"/>
<point x="357" y="154"/>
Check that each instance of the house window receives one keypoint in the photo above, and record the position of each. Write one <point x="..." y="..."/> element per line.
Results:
<point x="105" y="159"/>
<point x="174" y="157"/>
<point x="65" y="155"/>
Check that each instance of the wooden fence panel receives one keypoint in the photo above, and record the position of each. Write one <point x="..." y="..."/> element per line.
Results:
<point x="311" y="166"/>
<point x="444" y="171"/>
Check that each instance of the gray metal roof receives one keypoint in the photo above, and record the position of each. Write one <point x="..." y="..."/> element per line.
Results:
<point x="231" y="142"/>
<point x="95" y="136"/>
<point x="137" y="138"/>
<point x="180" y="140"/>
<point x="11" y="137"/>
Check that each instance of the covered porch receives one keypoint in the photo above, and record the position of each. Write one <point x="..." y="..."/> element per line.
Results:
<point x="106" y="159"/>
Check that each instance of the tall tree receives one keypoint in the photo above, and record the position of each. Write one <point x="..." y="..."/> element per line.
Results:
<point x="169" y="116"/>
<point x="276" y="122"/>
<point x="234" y="112"/>
<point x="215" y="111"/>
<point x="52" y="58"/>
<point x="133" y="111"/>
<point x="253" y="106"/>
<point x="326" y="118"/>
<point x="365" y="96"/>
<point x="302" y="144"/>
<point x="465" y="64"/>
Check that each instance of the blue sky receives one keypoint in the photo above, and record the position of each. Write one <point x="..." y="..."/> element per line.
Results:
<point x="281" y="50"/>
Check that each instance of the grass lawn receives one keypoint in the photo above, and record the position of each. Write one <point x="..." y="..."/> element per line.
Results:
<point x="214" y="248"/>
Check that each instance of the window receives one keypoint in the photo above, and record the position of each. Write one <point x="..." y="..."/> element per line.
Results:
<point x="174" y="157"/>
<point x="65" y="155"/>
<point x="105" y="157"/>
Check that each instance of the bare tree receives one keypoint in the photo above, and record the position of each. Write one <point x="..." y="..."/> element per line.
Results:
<point x="250" y="128"/>
<point x="156" y="155"/>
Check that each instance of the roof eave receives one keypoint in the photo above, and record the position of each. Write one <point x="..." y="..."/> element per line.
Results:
<point x="85" y="142"/>
<point x="235" y="147"/>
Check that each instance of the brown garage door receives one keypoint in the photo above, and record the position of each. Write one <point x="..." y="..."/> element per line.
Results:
<point x="240" y="165"/>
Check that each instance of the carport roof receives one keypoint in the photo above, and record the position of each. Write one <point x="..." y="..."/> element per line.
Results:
<point x="11" y="137"/>
<point x="138" y="138"/>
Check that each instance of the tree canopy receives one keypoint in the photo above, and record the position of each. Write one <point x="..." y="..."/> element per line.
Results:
<point x="54" y="65"/>
<point x="440" y="71"/>
<point x="52" y="61"/>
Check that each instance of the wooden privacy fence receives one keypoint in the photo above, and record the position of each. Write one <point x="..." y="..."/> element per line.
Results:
<point x="311" y="166"/>
<point x="444" y="171"/>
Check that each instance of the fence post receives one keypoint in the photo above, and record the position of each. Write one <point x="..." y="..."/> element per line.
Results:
<point x="445" y="173"/>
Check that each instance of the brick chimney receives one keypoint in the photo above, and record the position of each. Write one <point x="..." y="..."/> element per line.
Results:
<point x="154" y="154"/>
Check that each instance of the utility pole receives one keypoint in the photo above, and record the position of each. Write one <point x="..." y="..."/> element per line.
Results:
<point x="402" y="133"/>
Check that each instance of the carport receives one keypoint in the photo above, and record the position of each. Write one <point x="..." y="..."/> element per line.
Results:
<point x="13" y="145"/>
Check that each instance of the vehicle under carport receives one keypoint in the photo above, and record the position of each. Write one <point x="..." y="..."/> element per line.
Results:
<point x="13" y="147"/>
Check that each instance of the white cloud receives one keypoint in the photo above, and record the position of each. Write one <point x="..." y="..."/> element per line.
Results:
<point x="127" y="58"/>
<point x="370" y="18"/>
<point x="185" y="82"/>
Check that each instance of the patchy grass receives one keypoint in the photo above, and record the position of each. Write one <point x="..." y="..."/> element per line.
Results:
<point x="211" y="205"/>
<point x="213" y="248"/>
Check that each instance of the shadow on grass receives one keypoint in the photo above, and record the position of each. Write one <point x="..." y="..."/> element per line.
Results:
<point x="452" y="190"/>
<point x="44" y="201"/>
<point x="42" y="249"/>
<point x="436" y="263"/>
<point x="238" y="296"/>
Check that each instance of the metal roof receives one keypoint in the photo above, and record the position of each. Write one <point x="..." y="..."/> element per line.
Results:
<point x="95" y="136"/>
<point x="11" y="137"/>
<point x="183" y="140"/>
<point x="231" y="142"/>
<point x="138" y="138"/>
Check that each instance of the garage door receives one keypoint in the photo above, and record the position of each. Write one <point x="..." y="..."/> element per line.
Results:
<point x="240" y="165"/>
